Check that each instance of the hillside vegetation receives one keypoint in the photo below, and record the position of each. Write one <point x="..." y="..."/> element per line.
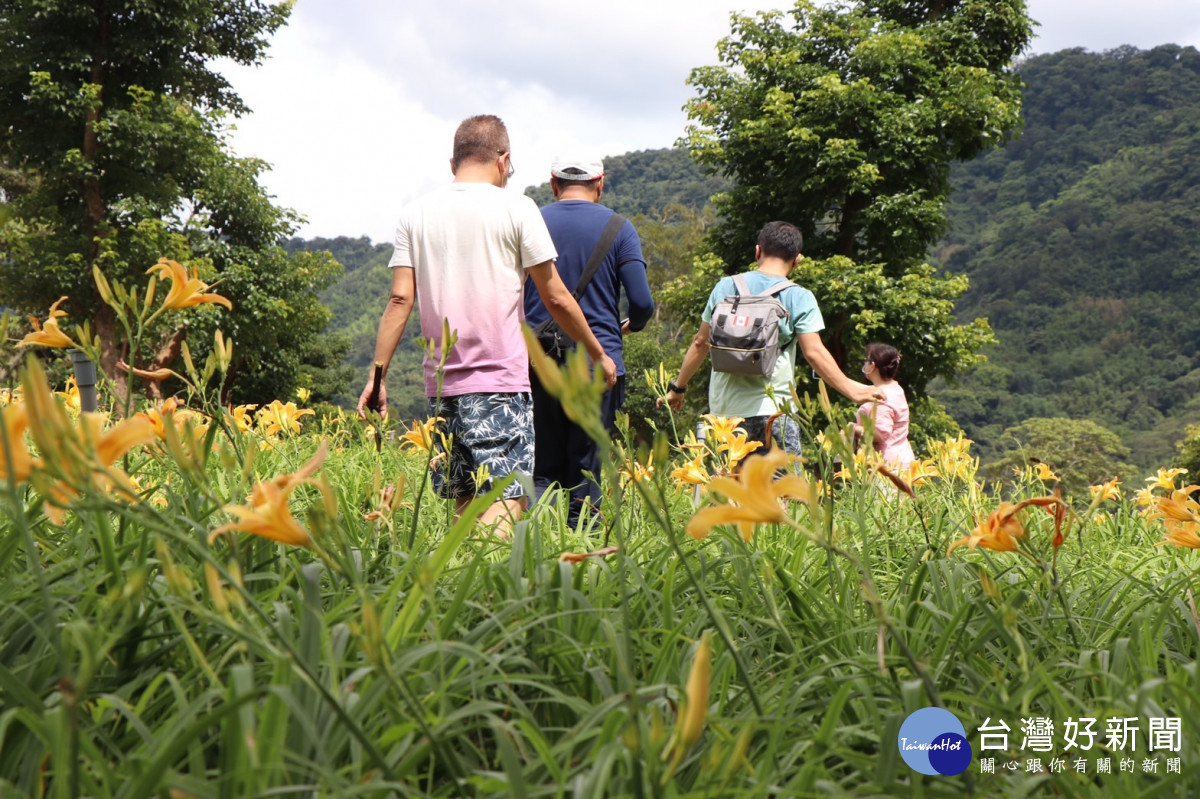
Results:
<point x="1082" y="242"/>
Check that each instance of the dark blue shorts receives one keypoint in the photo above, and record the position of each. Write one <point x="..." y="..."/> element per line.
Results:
<point x="492" y="430"/>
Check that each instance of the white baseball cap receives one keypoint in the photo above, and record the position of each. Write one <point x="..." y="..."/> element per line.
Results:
<point x="576" y="169"/>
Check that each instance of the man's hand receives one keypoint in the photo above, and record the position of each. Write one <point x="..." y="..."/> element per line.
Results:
<point x="674" y="399"/>
<point x="380" y="400"/>
<point x="609" y="368"/>
<point x="864" y="393"/>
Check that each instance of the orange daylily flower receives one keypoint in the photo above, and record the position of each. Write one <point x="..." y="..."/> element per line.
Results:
<point x="281" y="417"/>
<point x="1182" y="537"/>
<point x="952" y="459"/>
<point x="186" y="290"/>
<point x="1165" y="478"/>
<point x="179" y="415"/>
<point x="421" y="435"/>
<point x="737" y="446"/>
<point x="266" y="513"/>
<point x="1044" y="472"/>
<point x="1001" y="530"/>
<point x="242" y="417"/>
<point x="918" y="472"/>
<point x="861" y="460"/>
<point x="48" y="334"/>
<point x="636" y="472"/>
<point x="721" y="428"/>
<point x="692" y="472"/>
<point x="1181" y="517"/>
<point x="756" y="493"/>
<point x="15" y="420"/>
<point x="1109" y="490"/>
<point x="71" y="396"/>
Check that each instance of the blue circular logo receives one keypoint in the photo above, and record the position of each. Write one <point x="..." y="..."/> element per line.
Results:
<point x="933" y="741"/>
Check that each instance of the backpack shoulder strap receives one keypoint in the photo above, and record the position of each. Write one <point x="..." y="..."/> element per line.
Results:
<point x="741" y="286"/>
<point x="607" y="237"/>
<point x="777" y="288"/>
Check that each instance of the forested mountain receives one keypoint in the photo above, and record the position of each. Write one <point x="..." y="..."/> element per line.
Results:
<point x="1081" y="239"/>
<point x="1082" y="242"/>
<point x="648" y="181"/>
<point x="357" y="303"/>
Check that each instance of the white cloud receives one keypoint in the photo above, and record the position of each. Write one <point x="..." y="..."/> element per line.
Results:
<point x="356" y="106"/>
<point x="1100" y="26"/>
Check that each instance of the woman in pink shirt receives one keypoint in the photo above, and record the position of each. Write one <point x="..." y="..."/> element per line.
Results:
<point x="891" y="414"/>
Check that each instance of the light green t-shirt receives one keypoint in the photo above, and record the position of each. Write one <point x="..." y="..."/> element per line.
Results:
<point x="741" y="395"/>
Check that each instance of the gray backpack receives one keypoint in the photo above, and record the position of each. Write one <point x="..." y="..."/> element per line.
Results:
<point x="744" y="332"/>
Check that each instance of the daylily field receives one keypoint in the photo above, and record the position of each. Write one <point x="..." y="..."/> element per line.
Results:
<point x="199" y="600"/>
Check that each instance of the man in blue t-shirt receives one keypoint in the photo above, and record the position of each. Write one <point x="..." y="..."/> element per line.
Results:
<point x="562" y="451"/>
<point x="756" y="399"/>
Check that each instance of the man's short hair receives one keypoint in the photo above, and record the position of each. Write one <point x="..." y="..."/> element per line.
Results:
<point x="480" y="139"/>
<point x="780" y="240"/>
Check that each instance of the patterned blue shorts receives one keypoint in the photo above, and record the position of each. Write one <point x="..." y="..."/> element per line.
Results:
<point x="492" y="430"/>
<point x="785" y="431"/>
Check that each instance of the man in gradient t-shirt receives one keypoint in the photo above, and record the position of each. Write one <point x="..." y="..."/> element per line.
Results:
<point x="464" y="251"/>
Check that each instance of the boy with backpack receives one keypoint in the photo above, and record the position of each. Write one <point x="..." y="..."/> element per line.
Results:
<point x="752" y="324"/>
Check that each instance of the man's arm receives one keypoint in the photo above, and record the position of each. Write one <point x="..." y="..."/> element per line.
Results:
<point x="564" y="310"/>
<point x="637" y="290"/>
<point x="827" y="369"/>
<point x="697" y="351"/>
<point x="391" y="328"/>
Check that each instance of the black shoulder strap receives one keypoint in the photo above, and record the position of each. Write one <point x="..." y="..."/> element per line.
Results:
<point x="607" y="237"/>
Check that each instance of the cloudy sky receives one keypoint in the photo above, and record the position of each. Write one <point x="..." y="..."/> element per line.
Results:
<point x="356" y="105"/>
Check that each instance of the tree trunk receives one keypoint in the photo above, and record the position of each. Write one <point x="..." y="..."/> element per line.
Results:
<point x="93" y="222"/>
<point x="112" y="349"/>
<point x="167" y="353"/>
<point x="847" y="232"/>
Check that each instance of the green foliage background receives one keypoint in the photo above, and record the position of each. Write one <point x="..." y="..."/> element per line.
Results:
<point x="113" y="154"/>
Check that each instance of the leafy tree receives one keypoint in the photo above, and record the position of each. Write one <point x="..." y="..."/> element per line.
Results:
<point x="1081" y="453"/>
<point x="845" y="120"/>
<point x="113" y="155"/>
<point x="1189" y="453"/>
